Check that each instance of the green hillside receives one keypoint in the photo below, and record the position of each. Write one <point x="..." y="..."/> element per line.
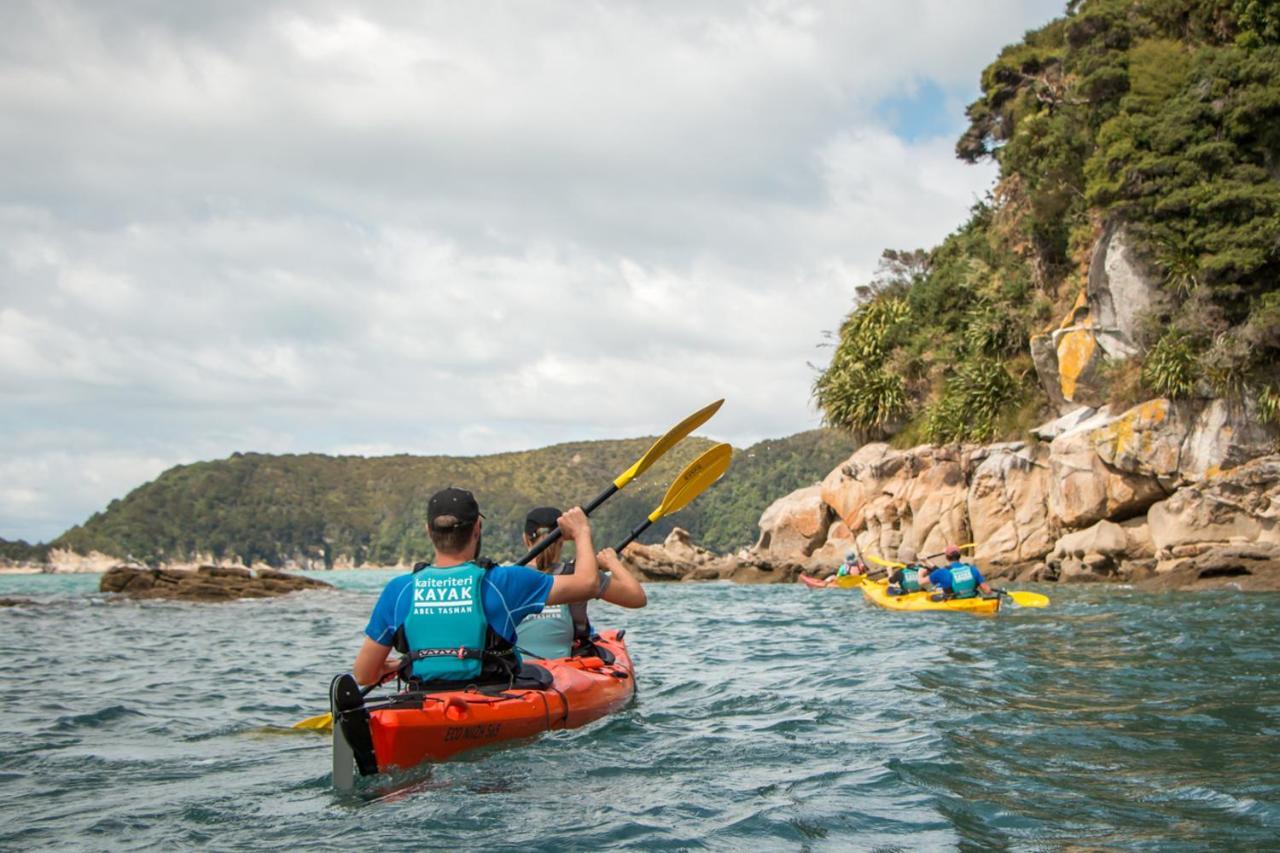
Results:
<point x="371" y="511"/>
<point x="20" y="551"/>
<point x="1160" y="115"/>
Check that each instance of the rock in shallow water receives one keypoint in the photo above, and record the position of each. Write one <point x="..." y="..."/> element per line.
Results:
<point x="207" y="583"/>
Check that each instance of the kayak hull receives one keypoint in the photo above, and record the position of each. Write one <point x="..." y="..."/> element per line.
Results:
<point x="584" y="689"/>
<point x="878" y="593"/>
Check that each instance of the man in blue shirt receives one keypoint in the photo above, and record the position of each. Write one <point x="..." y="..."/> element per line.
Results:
<point x="440" y="603"/>
<point x="957" y="579"/>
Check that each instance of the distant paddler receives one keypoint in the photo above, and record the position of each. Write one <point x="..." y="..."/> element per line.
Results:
<point x="564" y="630"/>
<point x="958" y="579"/>
<point x="851" y="568"/>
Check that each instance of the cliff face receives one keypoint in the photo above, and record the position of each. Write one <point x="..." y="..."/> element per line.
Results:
<point x="1144" y="493"/>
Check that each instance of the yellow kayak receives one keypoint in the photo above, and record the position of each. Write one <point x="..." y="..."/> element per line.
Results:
<point x="843" y="582"/>
<point x="877" y="593"/>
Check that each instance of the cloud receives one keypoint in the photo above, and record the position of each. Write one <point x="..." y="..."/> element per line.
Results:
<point x="341" y="227"/>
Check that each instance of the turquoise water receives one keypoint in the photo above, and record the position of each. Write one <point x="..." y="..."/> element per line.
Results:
<point x="768" y="717"/>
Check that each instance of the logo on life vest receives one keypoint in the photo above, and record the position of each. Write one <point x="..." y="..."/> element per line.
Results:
<point x="443" y="595"/>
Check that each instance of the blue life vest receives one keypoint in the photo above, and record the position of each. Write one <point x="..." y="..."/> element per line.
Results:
<point x="446" y="629"/>
<point x="963" y="582"/>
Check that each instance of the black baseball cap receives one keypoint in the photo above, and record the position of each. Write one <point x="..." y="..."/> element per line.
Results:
<point x="541" y="518"/>
<point x="458" y="505"/>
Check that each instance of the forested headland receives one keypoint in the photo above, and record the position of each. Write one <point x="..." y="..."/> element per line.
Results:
<point x="324" y="511"/>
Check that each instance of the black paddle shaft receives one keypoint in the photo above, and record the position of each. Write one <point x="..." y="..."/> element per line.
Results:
<point x="551" y="538"/>
<point x="633" y="535"/>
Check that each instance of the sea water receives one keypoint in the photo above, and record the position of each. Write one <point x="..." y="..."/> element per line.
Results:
<point x="767" y="717"/>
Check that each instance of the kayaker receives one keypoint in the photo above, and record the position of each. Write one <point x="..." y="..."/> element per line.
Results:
<point x="908" y="579"/>
<point x="849" y="568"/>
<point x="562" y="630"/>
<point x="958" y="579"/>
<point x="431" y="613"/>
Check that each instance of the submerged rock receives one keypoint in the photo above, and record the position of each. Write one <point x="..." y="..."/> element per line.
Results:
<point x="207" y="583"/>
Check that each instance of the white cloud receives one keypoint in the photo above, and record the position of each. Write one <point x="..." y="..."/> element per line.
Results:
<point x="341" y="227"/>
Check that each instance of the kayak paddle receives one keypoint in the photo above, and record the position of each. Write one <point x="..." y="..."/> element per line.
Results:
<point x="1026" y="599"/>
<point x="696" y="477"/>
<point x="324" y="722"/>
<point x="660" y="447"/>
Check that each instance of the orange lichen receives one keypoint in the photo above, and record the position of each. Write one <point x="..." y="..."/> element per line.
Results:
<point x="1075" y="351"/>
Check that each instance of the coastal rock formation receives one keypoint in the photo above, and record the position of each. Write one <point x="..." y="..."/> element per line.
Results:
<point x="1102" y="326"/>
<point x="1008" y="504"/>
<point x="1237" y="507"/>
<point x="795" y="523"/>
<point x="912" y="500"/>
<point x="677" y="558"/>
<point x="1249" y="568"/>
<point x="1104" y="498"/>
<point x="1105" y="551"/>
<point x="207" y="583"/>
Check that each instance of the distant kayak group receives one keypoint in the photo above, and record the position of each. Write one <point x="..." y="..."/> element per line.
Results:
<point x="957" y="585"/>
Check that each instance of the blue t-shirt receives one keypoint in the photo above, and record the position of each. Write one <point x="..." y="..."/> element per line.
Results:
<point x="507" y="594"/>
<point x="941" y="577"/>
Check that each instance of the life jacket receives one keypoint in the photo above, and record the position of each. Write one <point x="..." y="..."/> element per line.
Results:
<point x="446" y="634"/>
<point x="558" y="630"/>
<point x="911" y="579"/>
<point x="963" y="582"/>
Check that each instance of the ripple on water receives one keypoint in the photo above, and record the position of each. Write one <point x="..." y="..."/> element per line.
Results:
<point x="767" y="717"/>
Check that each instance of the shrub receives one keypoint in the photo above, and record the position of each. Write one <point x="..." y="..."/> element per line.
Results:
<point x="1170" y="368"/>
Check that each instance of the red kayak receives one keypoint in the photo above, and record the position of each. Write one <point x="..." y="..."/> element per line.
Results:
<point x="424" y="727"/>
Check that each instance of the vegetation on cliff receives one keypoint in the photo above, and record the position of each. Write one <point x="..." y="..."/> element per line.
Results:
<point x="356" y="510"/>
<point x="1163" y="115"/>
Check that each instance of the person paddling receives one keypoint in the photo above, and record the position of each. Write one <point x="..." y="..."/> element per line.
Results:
<point x="908" y="579"/>
<point x="456" y="617"/>
<point x="562" y="630"/>
<point x="849" y="568"/>
<point x="958" y="579"/>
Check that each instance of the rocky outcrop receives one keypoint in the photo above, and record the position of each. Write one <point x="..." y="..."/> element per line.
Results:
<point x="1237" y="507"/>
<point x="676" y="559"/>
<point x="1102" y="326"/>
<point x="1249" y="568"/>
<point x="1105" y="498"/>
<point x="15" y="602"/>
<point x="207" y="583"/>
<point x="796" y="523"/>
<point x="901" y="500"/>
<point x="1084" y="488"/>
<point x="1104" y="552"/>
<point x="1008" y="504"/>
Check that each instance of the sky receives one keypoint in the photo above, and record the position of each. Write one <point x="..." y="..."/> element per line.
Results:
<point x="448" y="228"/>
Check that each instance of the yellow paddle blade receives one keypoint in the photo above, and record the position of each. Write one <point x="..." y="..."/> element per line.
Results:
<point x="1029" y="599"/>
<point x="668" y="441"/>
<point x="873" y="558"/>
<point x="696" y="477"/>
<point x="850" y="581"/>
<point x="320" y="723"/>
